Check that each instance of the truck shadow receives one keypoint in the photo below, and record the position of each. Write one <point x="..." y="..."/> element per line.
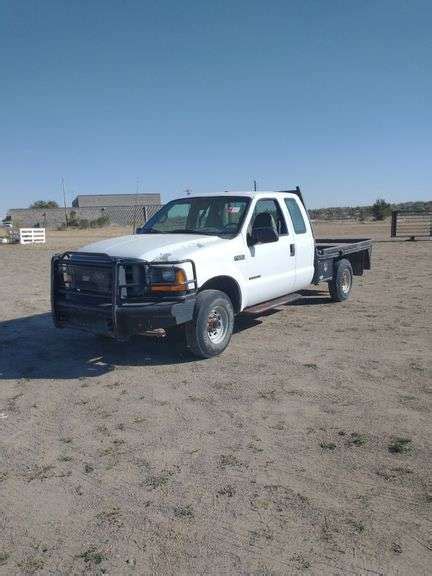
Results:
<point x="32" y="348"/>
<point x="312" y="297"/>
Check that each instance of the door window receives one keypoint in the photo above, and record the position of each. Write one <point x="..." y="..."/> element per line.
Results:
<point x="296" y="216"/>
<point x="271" y="207"/>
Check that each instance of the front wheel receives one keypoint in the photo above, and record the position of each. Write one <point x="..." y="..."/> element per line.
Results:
<point x="341" y="283"/>
<point x="211" y="329"/>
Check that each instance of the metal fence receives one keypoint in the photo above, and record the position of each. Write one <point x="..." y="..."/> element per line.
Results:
<point x="133" y="216"/>
<point x="411" y="224"/>
<point x="86" y="217"/>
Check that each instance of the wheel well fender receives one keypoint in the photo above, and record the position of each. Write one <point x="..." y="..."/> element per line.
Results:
<point x="228" y="285"/>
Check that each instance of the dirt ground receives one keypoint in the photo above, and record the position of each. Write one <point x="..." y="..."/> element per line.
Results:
<point x="304" y="449"/>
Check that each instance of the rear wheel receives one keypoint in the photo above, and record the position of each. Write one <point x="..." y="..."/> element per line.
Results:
<point x="341" y="283"/>
<point x="211" y="329"/>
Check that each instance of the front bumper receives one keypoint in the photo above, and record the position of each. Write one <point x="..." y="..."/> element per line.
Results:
<point x="126" y="320"/>
<point x="107" y="313"/>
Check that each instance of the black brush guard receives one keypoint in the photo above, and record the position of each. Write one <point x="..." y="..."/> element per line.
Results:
<point x="91" y="299"/>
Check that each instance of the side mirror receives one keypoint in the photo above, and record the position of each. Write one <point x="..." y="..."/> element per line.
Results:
<point x="264" y="235"/>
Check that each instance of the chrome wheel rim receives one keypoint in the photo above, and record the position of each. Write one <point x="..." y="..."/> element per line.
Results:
<point x="217" y="325"/>
<point x="346" y="281"/>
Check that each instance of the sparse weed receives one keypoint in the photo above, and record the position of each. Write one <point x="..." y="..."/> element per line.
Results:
<point x="407" y="397"/>
<point x="261" y="503"/>
<point x="226" y="491"/>
<point x="158" y="480"/>
<point x="328" y="445"/>
<point x="358" y="526"/>
<point x="301" y="562"/>
<point x="110" y="516"/>
<point x="255" y="448"/>
<point x="267" y="394"/>
<point x="183" y="511"/>
<point x="66" y="440"/>
<point x="400" y="446"/>
<point x="65" y="458"/>
<point x="41" y="473"/>
<point x="228" y="460"/>
<point x="92" y="556"/>
<point x="31" y="565"/>
<point x="358" y="439"/>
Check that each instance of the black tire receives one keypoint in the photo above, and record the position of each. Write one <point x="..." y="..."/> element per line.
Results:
<point x="341" y="283"/>
<point x="211" y="306"/>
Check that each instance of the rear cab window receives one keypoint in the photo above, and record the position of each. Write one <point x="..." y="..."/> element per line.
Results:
<point x="296" y="215"/>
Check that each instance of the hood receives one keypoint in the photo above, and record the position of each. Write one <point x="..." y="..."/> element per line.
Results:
<point x="150" y="247"/>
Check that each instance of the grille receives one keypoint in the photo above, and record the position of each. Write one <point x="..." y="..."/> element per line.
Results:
<point x="86" y="280"/>
<point x="133" y="282"/>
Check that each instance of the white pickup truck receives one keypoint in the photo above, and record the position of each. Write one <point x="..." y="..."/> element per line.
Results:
<point x="197" y="263"/>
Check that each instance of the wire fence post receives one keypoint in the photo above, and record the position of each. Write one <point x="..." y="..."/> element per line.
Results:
<point x="394" y="223"/>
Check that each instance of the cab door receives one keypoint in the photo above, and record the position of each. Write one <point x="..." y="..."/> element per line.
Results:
<point x="270" y="267"/>
<point x="303" y="244"/>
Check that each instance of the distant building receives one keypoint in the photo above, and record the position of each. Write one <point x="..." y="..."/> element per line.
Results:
<point x="106" y="200"/>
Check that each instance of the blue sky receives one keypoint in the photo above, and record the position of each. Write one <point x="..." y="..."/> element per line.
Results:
<point x="334" y="96"/>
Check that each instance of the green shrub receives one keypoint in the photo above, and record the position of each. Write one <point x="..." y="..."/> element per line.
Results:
<point x="103" y="220"/>
<point x="400" y="446"/>
<point x="381" y="209"/>
<point x="73" y="220"/>
<point x="44" y="204"/>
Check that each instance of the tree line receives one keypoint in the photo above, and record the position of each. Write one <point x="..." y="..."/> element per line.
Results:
<point x="380" y="210"/>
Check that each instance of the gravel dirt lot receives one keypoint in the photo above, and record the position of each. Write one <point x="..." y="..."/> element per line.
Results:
<point x="304" y="449"/>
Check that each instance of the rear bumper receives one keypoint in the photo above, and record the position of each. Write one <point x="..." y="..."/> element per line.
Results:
<point x="126" y="320"/>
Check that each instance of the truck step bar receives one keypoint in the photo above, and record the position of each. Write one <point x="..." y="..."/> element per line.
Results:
<point x="270" y="304"/>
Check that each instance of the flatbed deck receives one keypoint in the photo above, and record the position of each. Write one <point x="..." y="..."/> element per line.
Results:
<point x="328" y="250"/>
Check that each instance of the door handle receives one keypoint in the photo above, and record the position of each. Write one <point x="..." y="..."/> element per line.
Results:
<point x="292" y="249"/>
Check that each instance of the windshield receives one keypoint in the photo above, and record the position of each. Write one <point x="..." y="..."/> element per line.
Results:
<point x="212" y="215"/>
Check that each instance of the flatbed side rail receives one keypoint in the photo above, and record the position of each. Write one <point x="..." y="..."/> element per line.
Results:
<point x="336" y="247"/>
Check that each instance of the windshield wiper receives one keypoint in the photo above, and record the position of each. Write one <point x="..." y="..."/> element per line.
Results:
<point x="150" y="231"/>
<point x="187" y="231"/>
<point x="177" y="231"/>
